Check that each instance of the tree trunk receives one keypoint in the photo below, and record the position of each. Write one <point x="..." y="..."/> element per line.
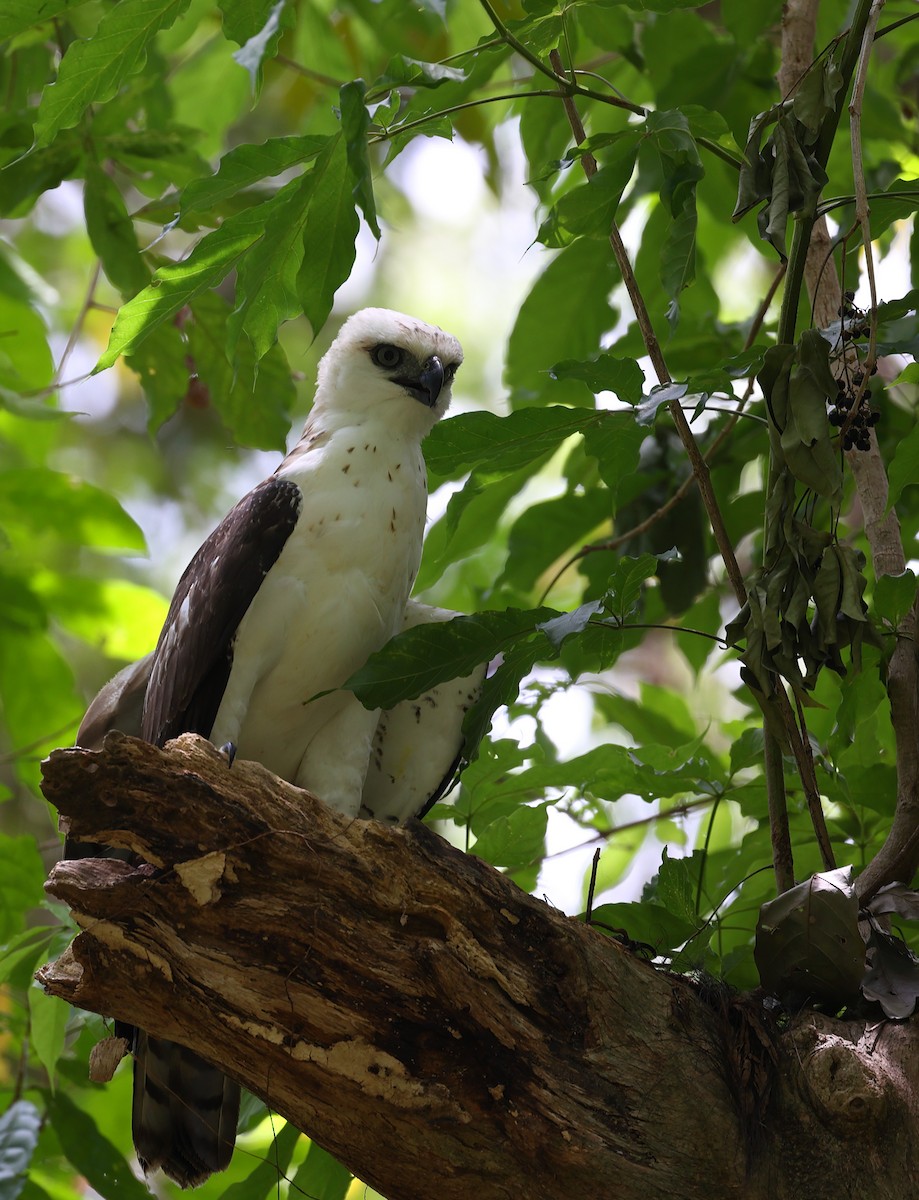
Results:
<point x="437" y="1029"/>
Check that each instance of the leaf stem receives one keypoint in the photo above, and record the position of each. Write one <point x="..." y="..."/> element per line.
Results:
<point x="555" y="73"/>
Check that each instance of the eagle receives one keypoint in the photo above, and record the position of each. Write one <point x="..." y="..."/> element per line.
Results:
<point x="307" y="575"/>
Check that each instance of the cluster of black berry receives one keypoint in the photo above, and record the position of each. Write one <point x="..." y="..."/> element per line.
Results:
<point x="853" y="325"/>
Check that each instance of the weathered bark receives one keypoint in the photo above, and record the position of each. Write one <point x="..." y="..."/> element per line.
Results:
<point x="437" y="1029"/>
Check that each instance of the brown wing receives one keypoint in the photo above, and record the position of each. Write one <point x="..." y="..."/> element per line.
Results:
<point x="194" y="655"/>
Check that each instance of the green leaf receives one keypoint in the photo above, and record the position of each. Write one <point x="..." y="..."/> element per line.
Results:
<point x="355" y="123"/>
<point x="504" y="444"/>
<point x="32" y="665"/>
<point x="402" y="71"/>
<point x="253" y="398"/>
<point x="262" y="1181"/>
<point x="26" y="947"/>
<point x="515" y="840"/>
<point x="321" y="1177"/>
<point x="261" y="44"/>
<point x="22" y="878"/>
<point x="646" y="922"/>
<point x="32" y="174"/>
<point x="91" y="1153"/>
<point x="331" y="229"/>
<point x="25" y="358"/>
<point x="551" y="328"/>
<point x="247" y="165"/>
<point x="589" y="208"/>
<point x="605" y="373"/>
<point x="20" y="15"/>
<point x="111" y="232"/>
<point x="416" y="660"/>
<point x="904" y="469"/>
<point x="48" y="1017"/>
<point x="544" y="532"/>
<point x="677" y="884"/>
<point x="35" y="499"/>
<point x="177" y="284"/>
<point x="92" y="71"/>
<point x="558" y="628"/>
<point x="266" y="286"/>
<point x="243" y="19"/>
<point x="894" y="596"/>
<point x="472" y="515"/>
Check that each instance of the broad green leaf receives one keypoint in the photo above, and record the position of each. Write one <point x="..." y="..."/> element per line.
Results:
<point x="894" y="596"/>
<point x="472" y="516"/>
<point x="331" y="229"/>
<point x="502" y="444"/>
<point x="176" y="285"/>
<point x="118" y="617"/>
<point x="32" y="665"/>
<point x="25" y="358"/>
<point x="48" y="1017"/>
<point x="26" y="947"/>
<point x="111" y="232"/>
<point x="355" y="122"/>
<point x="647" y="922"/>
<point x="904" y="469"/>
<point x="262" y="1182"/>
<point x="589" y="208"/>
<point x="558" y="628"/>
<point x="677" y="884"/>
<point x="266" y="277"/>
<point x="22" y="877"/>
<point x="416" y="660"/>
<point x="261" y="44"/>
<point x="605" y="373"/>
<point x="515" y="840"/>
<point x="402" y="71"/>
<point x="93" y="70"/>
<point x="551" y="328"/>
<point x="20" y="15"/>
<point x="321" y="1176"/>
<point x="35" y="500"/>
<point x="165" y="374"/>
<point x="243" y="19"/>
<point x="253" y="399"/>
<point x="247" y="165"/>
<point x="92" y="1154"/>
<point x="544" y="532"/>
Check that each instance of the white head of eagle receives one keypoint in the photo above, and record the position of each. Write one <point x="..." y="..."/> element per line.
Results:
<point x="380" y="361"/>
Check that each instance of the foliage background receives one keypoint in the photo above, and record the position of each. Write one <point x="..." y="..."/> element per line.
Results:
<point x="640" y="741"/>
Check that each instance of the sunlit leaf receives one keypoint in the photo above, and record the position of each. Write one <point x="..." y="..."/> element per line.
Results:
<point x="93" y="70"/>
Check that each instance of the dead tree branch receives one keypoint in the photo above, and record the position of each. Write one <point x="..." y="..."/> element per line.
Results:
<point x="404" y="1003"/>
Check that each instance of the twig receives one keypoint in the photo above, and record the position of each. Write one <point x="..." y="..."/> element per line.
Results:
<point x="862" y="209"/>
<point x="77" y="326"/>
<point x="699" y="465"/>
<point x="555" y="73"/>
<point x="307" y="72"/>
<point x="782" y="859"/>
<point x="592" y="886"/>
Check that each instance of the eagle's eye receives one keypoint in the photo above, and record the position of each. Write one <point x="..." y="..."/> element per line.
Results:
<point x="450" y="371"/>
<point x="387" y="356"/>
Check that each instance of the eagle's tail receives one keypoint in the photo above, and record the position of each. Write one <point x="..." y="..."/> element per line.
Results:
<point x="185" y="1111"/>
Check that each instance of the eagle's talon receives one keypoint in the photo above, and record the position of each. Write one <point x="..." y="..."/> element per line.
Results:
<point x="228" y="750"/>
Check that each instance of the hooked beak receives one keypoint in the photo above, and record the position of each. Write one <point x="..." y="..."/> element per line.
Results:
<point x="428" y="385"/>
